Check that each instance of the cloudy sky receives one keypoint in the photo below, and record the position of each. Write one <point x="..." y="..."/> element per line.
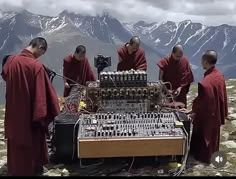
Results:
<point x="209" y="12"/>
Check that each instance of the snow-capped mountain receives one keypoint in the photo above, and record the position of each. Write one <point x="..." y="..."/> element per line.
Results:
<point x="195" y="37"/>
<point x="104" y="34"/>
<point x="17" y="28"/>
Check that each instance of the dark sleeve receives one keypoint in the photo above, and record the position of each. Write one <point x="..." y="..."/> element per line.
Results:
<point x="223" y="105"/>
<point x="120" y="56"/>
<point x="45" y="101"/>
<point x="197" y="106"/>
<point x="187" y="77"/>
<point x="66" y="69"/>
<point x="162" y="64"/>
<point x="4" y="60"/>
<point x="91" y="75"/>
<point x="142" y="63"/>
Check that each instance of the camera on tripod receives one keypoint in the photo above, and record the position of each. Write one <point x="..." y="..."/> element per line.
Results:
<point x="101" y="62"/>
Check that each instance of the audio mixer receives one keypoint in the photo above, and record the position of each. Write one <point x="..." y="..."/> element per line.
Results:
<point x="129" y="134"/>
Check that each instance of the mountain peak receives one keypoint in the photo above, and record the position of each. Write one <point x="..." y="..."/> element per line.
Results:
<point x="65" y="12"/>
<point x="187" y="21"/>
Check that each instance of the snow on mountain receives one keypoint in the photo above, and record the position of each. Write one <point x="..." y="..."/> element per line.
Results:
<point x="104" y="34"/>
<point x="158" y="37"/>
<point x="195" y="37"/>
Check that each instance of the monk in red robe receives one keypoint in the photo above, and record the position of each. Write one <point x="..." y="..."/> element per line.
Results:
<point x="31" y="104"/>
<point x="176" y="70"/>
<point x="209" y="110"/>
<point x="131" y="56"/>
<point x="77" y="68"/>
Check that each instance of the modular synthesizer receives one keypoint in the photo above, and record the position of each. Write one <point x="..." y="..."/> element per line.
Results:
<point x="126" y="91"/>
<point x="124" y="118"/>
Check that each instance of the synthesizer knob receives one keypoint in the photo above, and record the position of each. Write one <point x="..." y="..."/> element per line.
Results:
<point x="103" y="92"/>
<point x="156" y="92"/>
<point x="96" y="94"/>
<point x="151" y="93"/>
<point x="155" y="115"/>
<point x="124" y="117"/>
<point x="122" y="92"/>
<point x="128" y="92"/>
<point x="139" y="91"/>
<point x="145" y="115"/>
<point x="115" y="92"/>
<point x="131" y="116"/>
<point x="152" y="115"/>
<point x="133" y="92"/>
<point x="109" y="93"/>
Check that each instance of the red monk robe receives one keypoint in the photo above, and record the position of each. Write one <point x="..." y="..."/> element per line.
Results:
<point x="31" y="104"/>
<point x="179" y="74"/>
<point x="211" y="109"/>
<point x="79" y="71"/>
<point x="136" y="61"/>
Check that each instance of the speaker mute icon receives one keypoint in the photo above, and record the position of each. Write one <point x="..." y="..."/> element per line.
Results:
<point x="219" y="159"/>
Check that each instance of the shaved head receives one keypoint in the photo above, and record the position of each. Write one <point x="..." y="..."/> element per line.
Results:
<point x="210" y="56"/>
<point x="134" y="44"/>
<point x="177" y="52"/>
<point x="38" y="46"/>
<point x="177" y="48"/>
<point x="39" y="42"/>
<point x="135" y="40"/>
<point x="209" y="59"/>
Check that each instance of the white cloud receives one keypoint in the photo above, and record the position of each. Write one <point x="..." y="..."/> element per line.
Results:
<point x="211" y="12"/>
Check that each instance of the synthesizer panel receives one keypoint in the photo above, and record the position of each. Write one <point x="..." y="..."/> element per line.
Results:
<point x="124" y="118"/>
<point x="129" y="134"/>
<point x="129" y="78"/>
<point x="141" y="99"/>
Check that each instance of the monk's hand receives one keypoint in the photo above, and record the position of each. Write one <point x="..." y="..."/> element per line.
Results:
<point x="186" y="111"/>
<point x="177" y="92"/>
<point x="191" y="117"/>
<point x="67" y="85"/>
